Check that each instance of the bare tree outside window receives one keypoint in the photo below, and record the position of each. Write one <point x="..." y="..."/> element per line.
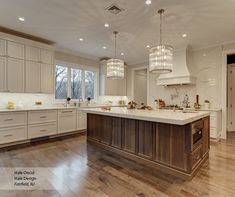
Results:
<point x="61" y="79"/>
<point x="89" y="84"/>
<point x="76" y="83"/>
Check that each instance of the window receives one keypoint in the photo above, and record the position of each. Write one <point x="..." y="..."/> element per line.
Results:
<point x="61" y="79"/>
<point x="89" y="84"/>
<point x="74" y="82"/>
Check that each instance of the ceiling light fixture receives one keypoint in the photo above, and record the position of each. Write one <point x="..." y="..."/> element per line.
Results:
<point x="148" y="46"/>
<point x="21" y="19"/>
<point x="115" y="67"/>
<point x="81" y="39"/>
<point x="184" y="35"/>
<point x="106" y="25"/>
<point x="161" y="56"/>
<point x="104" y="47"/>
<point x="122" y="54"/>
<point x="148" y="2"/>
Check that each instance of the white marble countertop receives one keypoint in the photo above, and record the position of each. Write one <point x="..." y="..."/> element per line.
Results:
<point x="54" y="107"/>
<point x="163" y="116"/>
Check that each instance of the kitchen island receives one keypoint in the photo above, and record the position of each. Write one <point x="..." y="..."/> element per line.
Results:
<point x="171" y="141"/>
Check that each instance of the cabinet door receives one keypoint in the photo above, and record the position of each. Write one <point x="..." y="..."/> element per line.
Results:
<point x="47" y="56"/>
<point x="15" y="50"/>
<point x="93" y="126"/>
<point x="145" y="139"/>
<point x="81" y="121"/>
<point x="106" y="129"/>
<point x="32" y="78"/>
<point x="32" y="53"/>
<point x="129" y="135"/>
<point x="2" y="47"/>
<point x="47" y="78"/>
<point x="2" y="74"/>
<point x="67" y="123"/>
<point x="206" y="135"/>
<point x="15" y="75"/>
<point x="117" y="133"/>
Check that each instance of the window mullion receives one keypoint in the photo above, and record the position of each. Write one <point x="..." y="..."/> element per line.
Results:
<point x="83" y="85"/>
<point x="69" y="94"/>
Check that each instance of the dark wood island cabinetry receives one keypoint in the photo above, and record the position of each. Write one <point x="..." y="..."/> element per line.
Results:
<point x="167" y="147"/>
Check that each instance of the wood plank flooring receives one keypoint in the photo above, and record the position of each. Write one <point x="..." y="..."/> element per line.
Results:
<point x="92" y="172"/>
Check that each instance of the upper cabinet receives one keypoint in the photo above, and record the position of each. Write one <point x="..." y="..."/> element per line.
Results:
<point x="111" y="87"/>
<point x="15" y="50"/>
<point x="26" y="66"/>
<point x="47" y="56"/>
<point x="3" y="47"/>
<point x="32" y="53"/>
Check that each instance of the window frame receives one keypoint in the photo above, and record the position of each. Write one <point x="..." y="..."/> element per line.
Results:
<point x="84" y="68"/>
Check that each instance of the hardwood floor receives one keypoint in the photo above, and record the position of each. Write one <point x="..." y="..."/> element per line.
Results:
<point x="89" y="171"/>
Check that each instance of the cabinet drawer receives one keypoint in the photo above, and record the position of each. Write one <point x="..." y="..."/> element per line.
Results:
<point x="42" y="116"/>
<point x="67" y="112"/>
<point x="12" y="119"/>
<point x="13" y="134"/>
<point x="196" y="156"/>
<point x="41" y="130"/>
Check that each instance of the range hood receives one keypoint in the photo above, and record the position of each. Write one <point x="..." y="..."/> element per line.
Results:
<point x="181" y="74"/>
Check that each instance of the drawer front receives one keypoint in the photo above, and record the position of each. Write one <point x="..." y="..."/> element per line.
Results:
<point x="41" y="130"/>
<point x="67" y="123"/>
<point x="196" y="156"/>
<point x="13" y="134"/>
<point x="43" y="116"/>
<point x="65" y="112"/>
<point x="13" y="119"/>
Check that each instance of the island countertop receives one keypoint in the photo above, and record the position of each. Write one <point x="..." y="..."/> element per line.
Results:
<point x="162" y="116"/>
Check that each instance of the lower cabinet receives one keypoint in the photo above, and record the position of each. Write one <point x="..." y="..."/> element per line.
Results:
<point x="13" y="134"/>
<point x="81" y="121"/>
<point x="40" y="130"/>
<point x="67" y="120"/>
<point x="117" y="133"/>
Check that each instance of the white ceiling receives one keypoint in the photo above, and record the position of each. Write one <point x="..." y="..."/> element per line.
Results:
<point x="207" y="22"/>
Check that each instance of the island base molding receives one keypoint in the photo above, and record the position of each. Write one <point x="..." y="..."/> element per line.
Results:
<point x="166" y="147"/>
<point x="152" y="164"/>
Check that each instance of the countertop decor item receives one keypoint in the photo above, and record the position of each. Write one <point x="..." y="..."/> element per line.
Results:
<point x="10" y="105"/>
<point x="160" y="103"/>
<point x="115" y="66"/>
<point x="161" y="56"/>
<point x="207" y="104"/>
<point x="68" y="101"/>
<point x="132" y="105"/>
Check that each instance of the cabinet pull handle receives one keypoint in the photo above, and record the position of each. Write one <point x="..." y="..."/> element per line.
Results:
<point x="9" y="135"/>
<point x="66" y="111"/>
<point x="42" y="116"/>
<point x="10" y="119"/>
<point x="43" y="130"/>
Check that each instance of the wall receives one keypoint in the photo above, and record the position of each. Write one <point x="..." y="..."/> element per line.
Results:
<point x="205" y="64"/>
<point x="140" y="88"/>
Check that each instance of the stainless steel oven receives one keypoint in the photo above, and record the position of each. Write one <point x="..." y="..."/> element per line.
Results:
<point x="197" y="134"/>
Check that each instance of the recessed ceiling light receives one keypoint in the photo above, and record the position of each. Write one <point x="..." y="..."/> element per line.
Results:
<point x="148" y="2"/>
<point x="122" y="54"/>
<point x="147" y="46"/>
<point x="106" y="25"/>
<point x="21" y="19"/>
<point x="81" y="39"/>
<point x="104" y="47"/>
<point x="204" y="54"/>
<point x="184" y="35"/>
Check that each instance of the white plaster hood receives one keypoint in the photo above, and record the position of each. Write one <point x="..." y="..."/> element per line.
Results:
<point x="181" y="74"/>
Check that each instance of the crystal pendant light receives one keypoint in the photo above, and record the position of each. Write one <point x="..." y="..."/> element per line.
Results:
<point x="115" y="67"/>
<point x="161" y="56"/>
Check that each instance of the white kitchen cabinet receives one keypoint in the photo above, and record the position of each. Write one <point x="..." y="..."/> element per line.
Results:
<point x="40" y="130"/>
<point x="15" y="75"/>
<point x="67" y="120"/>
<point x="2" y="47"/>
<point x="47" y="56"/>
<point x="111" y="87"/>
<point x="15" y="50"/>
<point x="2" y="74"/>
<point x="13" y="119"/>
<point x="215" y="124"/>
<point x="32" y="53"/>
<point x="47" y="78"/>
<point x="81" y="121"/>
<point x="42" y="116"/>
<point x="32" y="77"/>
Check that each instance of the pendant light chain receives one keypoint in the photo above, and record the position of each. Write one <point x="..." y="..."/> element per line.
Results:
<point x="115" y="33"/>
<point x="160" y="28"/>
